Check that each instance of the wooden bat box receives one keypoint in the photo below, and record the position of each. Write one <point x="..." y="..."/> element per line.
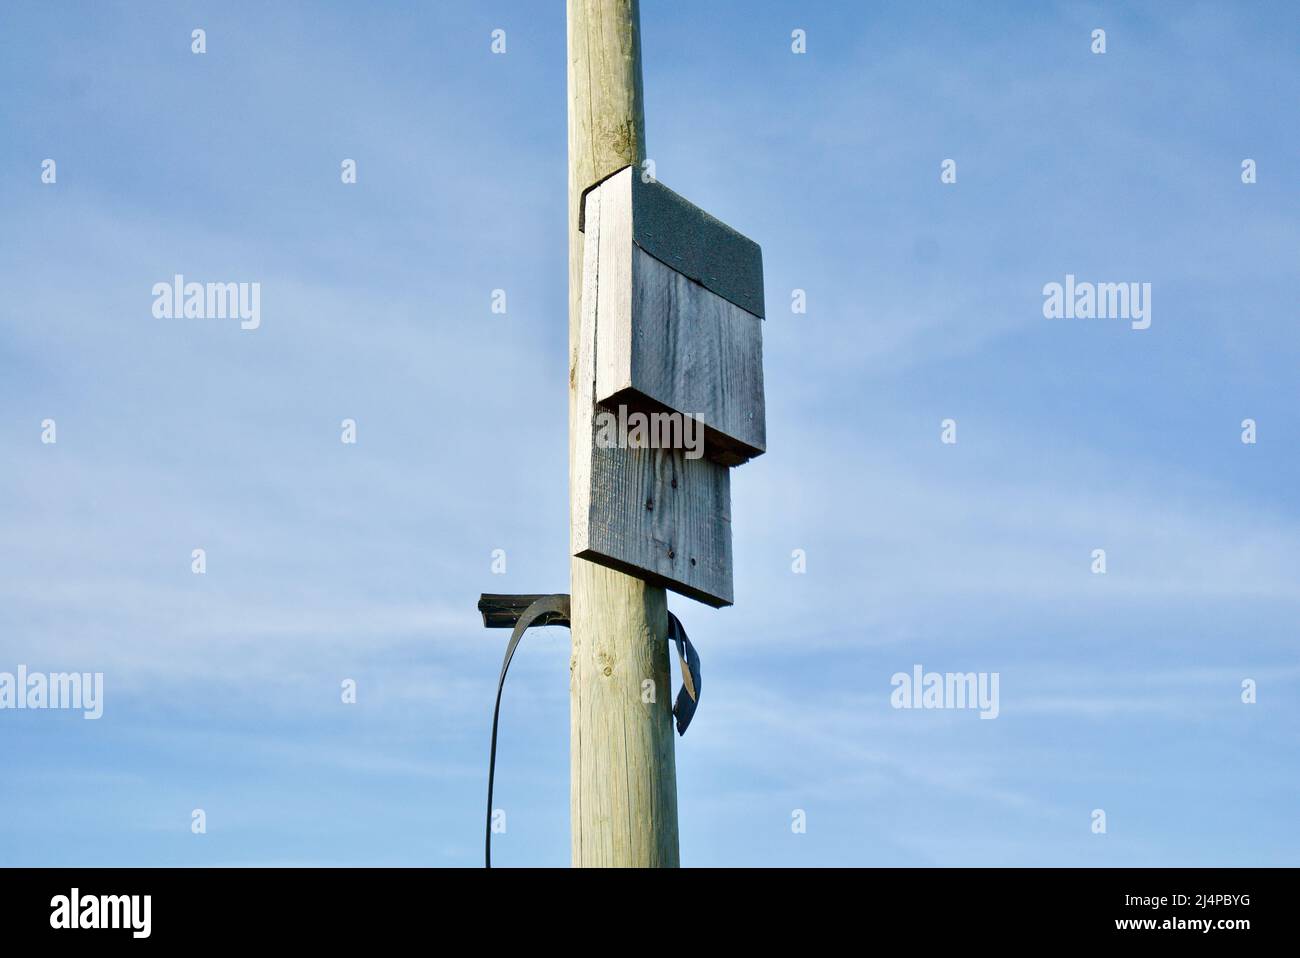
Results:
<point x="681" y="321"/>
<point x="672" y="313"/>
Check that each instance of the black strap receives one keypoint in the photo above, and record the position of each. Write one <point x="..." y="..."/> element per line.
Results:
<point x="558" y="604"/>
<point x="689" y="694"/>
<point x="554" y="610"/>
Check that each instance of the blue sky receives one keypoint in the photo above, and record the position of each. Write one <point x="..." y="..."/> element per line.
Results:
<point x="329" y="561"/>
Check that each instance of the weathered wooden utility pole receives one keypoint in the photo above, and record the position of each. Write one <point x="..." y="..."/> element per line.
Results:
<point x="623" y="798"/>
<point x="665" y="400"/>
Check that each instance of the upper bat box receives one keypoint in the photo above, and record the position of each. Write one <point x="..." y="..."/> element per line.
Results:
<point x="680" y="314"/>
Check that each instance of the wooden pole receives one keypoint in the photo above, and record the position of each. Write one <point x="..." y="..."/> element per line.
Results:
<point x="623" y="790"/>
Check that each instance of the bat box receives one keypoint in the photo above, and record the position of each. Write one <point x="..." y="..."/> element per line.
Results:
<point x="680" y="324"/>
<point x="671" y="323"/>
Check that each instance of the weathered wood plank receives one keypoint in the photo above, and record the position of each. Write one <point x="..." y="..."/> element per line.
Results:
<point x="692" y="348"/>
<point x="655" y="514"/>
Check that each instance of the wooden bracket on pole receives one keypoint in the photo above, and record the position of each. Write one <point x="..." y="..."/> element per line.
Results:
<point x="503" y="611"/>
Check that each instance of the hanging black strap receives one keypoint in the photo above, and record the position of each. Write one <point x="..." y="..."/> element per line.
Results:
<point x="501" y="610"/>
<point x="689" y="694"/>
<point x="552" y="605"/>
